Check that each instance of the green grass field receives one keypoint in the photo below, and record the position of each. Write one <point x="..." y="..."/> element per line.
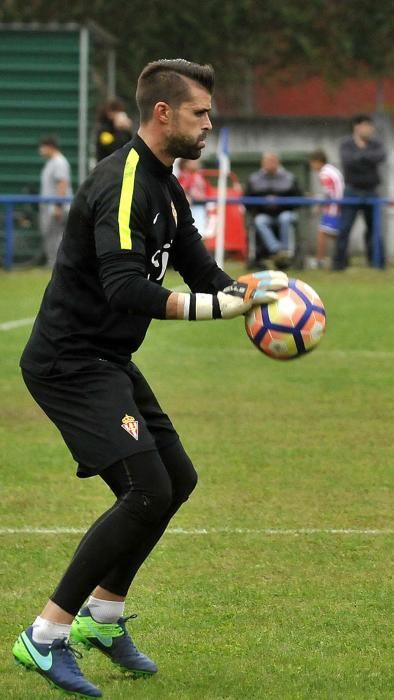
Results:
<point x="236" y="602"/>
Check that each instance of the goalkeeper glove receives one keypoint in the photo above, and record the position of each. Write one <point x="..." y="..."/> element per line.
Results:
<point x="258" y="287"/>
<point x="237" y="298"/>
<point x="251" y="290"/>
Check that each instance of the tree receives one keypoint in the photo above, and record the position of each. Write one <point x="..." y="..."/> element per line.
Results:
<point x="289" y="40"/>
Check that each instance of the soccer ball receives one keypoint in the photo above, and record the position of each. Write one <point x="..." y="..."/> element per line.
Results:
<point x="289" y="327"/>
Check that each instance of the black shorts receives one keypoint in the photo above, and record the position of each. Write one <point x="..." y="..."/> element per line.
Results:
<point x="104" y="411"/>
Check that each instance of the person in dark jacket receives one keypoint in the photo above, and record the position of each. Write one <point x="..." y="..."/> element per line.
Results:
<point x="114" y="128"/>
<point x="361" y="154"/>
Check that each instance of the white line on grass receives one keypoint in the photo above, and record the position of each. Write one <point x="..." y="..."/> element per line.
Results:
<point x="10" y="325"/>
<point x="369" y="354"/>
<point x="211" y="531"/>
<point x="373" y="354"/>
<point x="20" y="322"/>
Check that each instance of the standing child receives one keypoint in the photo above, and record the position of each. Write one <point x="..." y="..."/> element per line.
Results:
<point x="332" y="186"/>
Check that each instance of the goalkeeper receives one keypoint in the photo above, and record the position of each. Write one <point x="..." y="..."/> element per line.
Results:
<point x="127" y="221"/>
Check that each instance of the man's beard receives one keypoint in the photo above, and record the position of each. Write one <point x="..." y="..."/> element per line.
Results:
<point x="184" y="147"/>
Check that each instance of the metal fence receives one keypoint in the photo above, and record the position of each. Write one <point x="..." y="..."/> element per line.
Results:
<point x="9" y="201"/>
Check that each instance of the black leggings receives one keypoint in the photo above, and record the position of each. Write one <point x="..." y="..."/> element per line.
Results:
<point x="150" y="488"/>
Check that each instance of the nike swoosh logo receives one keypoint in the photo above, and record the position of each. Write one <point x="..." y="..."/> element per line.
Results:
<point x="44" y="662"/>
<point x="105" y="641"/>
<point x="156" y="217"/>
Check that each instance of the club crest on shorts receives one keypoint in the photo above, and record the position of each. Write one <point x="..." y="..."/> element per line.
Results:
<point x="130" y="424"/>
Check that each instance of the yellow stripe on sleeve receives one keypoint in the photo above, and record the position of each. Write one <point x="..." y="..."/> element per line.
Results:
<point x="126" y="199"/>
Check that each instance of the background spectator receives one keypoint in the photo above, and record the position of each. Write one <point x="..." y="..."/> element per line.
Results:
<point x="195" y="187"/>
<point x="331" y="185"/>
<point x="361" y="155"/>
<point x="274" y="222"/>
<point x="55" y="181"/>
<point x="114" y="128"/>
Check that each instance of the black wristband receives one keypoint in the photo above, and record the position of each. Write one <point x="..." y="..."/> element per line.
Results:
<point x="201" y="307"/>
<point x="192" y="307"/>
<point x="216" y="313"/>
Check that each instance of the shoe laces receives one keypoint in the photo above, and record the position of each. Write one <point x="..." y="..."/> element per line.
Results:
<point x="69" y="655"/>
<point x="129" y="617"/>
<point x="123" y="620"/>
<point x="122" y="624"/>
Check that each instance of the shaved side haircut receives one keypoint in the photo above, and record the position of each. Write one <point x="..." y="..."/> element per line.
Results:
<point x="164" y="81"/>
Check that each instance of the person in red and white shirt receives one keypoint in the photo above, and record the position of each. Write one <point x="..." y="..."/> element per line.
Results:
<point x="195" y="187"/>
<point x="332" y="186"/>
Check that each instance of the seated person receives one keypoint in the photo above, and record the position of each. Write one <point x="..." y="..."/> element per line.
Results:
<point x="273" y="180"/>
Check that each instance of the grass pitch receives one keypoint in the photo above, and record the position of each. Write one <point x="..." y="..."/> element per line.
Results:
<point x="253" y="607"/>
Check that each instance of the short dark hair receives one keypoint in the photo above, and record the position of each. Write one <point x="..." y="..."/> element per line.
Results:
<point x="361" y="117"/>
<point x="164" y="80"/>
<point x="319" y="155"/>
<point x="114" y="105"/>
<point x="49" y="141"/>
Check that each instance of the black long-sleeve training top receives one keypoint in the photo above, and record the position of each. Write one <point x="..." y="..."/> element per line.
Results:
<point x="127" y="221"/>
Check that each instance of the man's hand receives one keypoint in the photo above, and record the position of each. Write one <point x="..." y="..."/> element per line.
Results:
<point x="250" y="290"/>
<point x="58" y="212"/>
<point x="258" y="286"/>
<point x="234" y="300"/>
<point x="360" y="141"/>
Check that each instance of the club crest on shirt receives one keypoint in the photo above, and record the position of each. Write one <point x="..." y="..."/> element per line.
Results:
<point x="174" y="213"/>
<point x="130" y="424"/>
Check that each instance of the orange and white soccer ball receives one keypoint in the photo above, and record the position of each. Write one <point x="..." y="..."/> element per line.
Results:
<point x="289" y="327"/>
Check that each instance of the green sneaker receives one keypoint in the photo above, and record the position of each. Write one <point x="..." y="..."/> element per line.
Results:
<point x="113" y="640"/>
<point x="56" y="662"/>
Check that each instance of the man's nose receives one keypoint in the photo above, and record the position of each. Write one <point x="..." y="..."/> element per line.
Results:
<point x="207" y="123"/>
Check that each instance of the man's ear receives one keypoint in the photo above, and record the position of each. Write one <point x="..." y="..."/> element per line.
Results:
<point x="161" y="111"/>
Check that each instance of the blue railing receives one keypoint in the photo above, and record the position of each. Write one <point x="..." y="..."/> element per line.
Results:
<point x="10" y="200"/>
<point x="376" y="204"/>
